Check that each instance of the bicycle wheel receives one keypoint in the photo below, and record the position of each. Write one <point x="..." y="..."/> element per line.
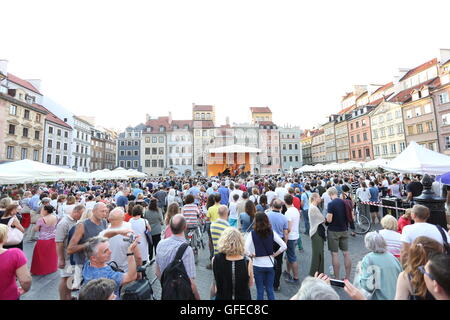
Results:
<point x="194" y="246"/>
<point x="362" y="224"/>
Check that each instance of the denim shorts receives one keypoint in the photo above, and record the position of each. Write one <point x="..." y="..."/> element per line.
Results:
<point x="290" y="252"/>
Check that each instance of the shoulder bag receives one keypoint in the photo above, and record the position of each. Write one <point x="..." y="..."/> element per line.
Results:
<point x="15" y="236"/>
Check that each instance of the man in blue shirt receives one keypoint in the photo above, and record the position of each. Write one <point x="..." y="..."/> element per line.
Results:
<point x="224" y="194"/>
<point x="98" y="254"/>
<point x="195" y="191"/>
<point x="374" y="197"/>
<point x="122" y="201"/>
<point x="305" y="207"/>
<point x="280" y="226"/>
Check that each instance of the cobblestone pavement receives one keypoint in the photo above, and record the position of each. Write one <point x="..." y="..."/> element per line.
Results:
<point x="46" y="287"/>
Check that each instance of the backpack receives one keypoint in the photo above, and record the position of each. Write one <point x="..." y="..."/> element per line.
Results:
<point x="175" y="281"/>
<point x="444" y="239"/>
<point x="349" y="212"/>
<point x="69" y="236"/>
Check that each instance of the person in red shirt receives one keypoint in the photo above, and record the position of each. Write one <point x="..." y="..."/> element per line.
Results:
<point x="404" y="220"/>
<point x="296" y="201"/>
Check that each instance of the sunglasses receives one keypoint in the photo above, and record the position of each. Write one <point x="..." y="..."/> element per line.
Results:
<point x="423" y="271"/>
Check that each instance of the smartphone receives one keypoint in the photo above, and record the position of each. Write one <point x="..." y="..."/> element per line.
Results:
<point x="337" y="283"/>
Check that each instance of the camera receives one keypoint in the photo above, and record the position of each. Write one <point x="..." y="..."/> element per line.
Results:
<point x="130" y="238"/>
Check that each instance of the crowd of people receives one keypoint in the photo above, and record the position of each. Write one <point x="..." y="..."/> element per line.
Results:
<point x="97" y="234"/>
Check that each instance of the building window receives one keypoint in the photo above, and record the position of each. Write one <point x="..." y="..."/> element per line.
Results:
<point x="136" y="153"/>
<point x="58" y="145"/>
<point x="147" y="139"/>
<point x="161" y="139"/>
<point x="50" y="130"/>
<point x="26" y="114"/>
<point x="58" y="132"/>
<point x="410" y="130"/>
<point x="154" y="163"/>
<point x="430" y="126"/>
<point x="377" y="150"/>
<point x="66" y="134"/>
<point x="296" y="158"/>
<point x="10" y="152"/>
<point x="353" y="154"/>
<point x="391" y="130"/>
<point x="359" y="153"/>
<point x="290" y="158"/>
<point x="418" y="112"/>
<point x="49" y="159"/>
<point x="128" y="153"/>
<point x="290" y="146"/>
<point x="128" y="164"/>
<point x="357" y="124"/>
<point x="427" y="108"/>
<point x="365" y="136"/>
<point x="135" y="164"/>
<point x="36" y="135"/>
<point x="353" y="139"/>
<point x="161" y="150"/>
<point x="154" y="150"/>
<point x="25" y="132"/>
<point x="136" y="143"/>
<point x="36" y="155"/>
<point x="122" y="153"/>
<point x="393" y="148"/>
<point x="65" y="146"/>
<point x="419" y="128"/>
<point x="12" y="129"/>
<point x="154" y="139"/>
<point x="65" y="161"/>
<point x="296" y="146"/>
<point x="443" y="98"/>
<point x="13" y="110"/>
<point x="447" y="142"/>
<point x="57" y="160"/>
<point x="402" y="146"/>
<point x="358" y="139"/>
<point x="400" y="128"/>
<point x="385" y="149"/>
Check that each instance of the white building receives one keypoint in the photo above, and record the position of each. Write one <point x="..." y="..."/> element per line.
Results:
<point x="180" y="146"/>
<point x="81" y="146"/>
<point x="57" y="141"/>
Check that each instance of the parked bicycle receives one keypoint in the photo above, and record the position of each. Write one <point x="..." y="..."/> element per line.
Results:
<point x="362" y="223"/>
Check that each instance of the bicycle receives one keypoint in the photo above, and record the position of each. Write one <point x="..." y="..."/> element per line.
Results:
<point x="195" y="239"/>
<point x="362" y="223"/>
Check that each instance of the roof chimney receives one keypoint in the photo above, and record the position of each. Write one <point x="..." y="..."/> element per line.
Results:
<point x="227" y="121"/>
<point x="4" y="67"/>
<point x="147" y="117"/>
<point x="170" y="117"/>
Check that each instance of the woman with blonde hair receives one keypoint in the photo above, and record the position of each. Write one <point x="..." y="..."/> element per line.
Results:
<point x="390" y="235"/>
<point x="404" y="220"/>
<point x="410" y="283"/>
<point x="70" y="204"/>
<point x="233" y="272"/>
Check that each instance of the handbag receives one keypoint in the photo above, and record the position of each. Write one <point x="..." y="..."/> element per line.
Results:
<point x="148" y="236"/>
<point x="15" y="236"/>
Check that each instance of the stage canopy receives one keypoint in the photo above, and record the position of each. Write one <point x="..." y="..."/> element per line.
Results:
<point x="419" y="160"/>
<point x="235" y="148"/>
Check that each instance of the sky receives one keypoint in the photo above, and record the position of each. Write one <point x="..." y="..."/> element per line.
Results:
<point x="120" y="60"/>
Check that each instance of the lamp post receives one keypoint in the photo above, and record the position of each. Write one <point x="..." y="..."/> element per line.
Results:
<point x="433" y="202"/>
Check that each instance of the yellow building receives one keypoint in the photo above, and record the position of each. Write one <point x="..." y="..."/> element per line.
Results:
<point x="261" y="114"/>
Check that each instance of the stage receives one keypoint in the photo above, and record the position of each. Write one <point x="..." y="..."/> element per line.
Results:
<point x="231" y="160"/>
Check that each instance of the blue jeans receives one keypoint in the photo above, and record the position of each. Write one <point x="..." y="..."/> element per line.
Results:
<point x="306" y="219"/>
<point x="264" y="278"/>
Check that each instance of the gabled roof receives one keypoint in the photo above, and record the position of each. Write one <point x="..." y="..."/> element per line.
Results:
<point x="155" y="124"/>
<point x="383" y="88"/>
<point x="52" y="117"/>
<point x="203" y="108"/>
<point x="419" y="69"/>
<point x="181" y="123"/>
<point x="405" y="95"/>
<point x="260" y="110"/>
<point x="22" y="83"/>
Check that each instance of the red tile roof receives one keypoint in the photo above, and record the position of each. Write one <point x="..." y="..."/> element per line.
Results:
<point x="343" y="111"/>
<point x="266" y="123"/>
<point x="52" y="117"/>
<point x="260" y="110"/>
<point x="22" y="83"/>
<point x="405" y="95"/>
<point x="198" y="124"/>
<point x="157" y="123"/>
<point x="203" y="108"/>
<point x="182" y="123"/>
<point x="383" y="88"/>
<point x="419" y="69"/>
<point x="347" y="95"/>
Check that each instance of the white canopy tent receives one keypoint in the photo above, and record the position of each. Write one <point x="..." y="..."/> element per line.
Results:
<point x="350" y="165"/>
<point x="419" y="160"/>
<point x="136" y="174"/>
<point x="235" y="148"/>
<point x="374" y="164"/>
<point x="28" y="171"/>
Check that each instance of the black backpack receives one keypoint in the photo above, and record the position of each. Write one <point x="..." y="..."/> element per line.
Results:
<point x="175" y="281"/>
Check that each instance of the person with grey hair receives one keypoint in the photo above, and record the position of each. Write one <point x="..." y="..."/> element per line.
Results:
<point x="378" y="271"/>
<point x="98" y="254"/>
<point x="98" y="289"/>
<point x="315" y="289"/>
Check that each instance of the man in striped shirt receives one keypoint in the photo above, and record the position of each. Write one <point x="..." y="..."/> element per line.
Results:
<point x="190" y="212"/>
<point x="219" y="226"/>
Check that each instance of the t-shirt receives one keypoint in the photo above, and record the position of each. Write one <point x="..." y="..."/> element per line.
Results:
<point x="270" y="196"/>
<point x="305" y="199"/>
<point x="91" y="273"/>
<point x="402" y="222"/>
<point x="363" y="194"/>
<point x="339" y="222"/>
<point x="418" y="229"/>
<point x="296" y="202"/>
<point x="393" y="241"/>
<point x="122" y="201"/>
<point x="373" y="194"/>
<point x="62" y="232"/>
<point x="10" y="261"/>
<point x="217" y="228"/>
<point x="118" y="246"/>
<point x="293" y="215"/>
<point x="415" y="187"/>
<point x="191" y="212"/>
<point x="213" y="213"/>
<point x="233" y="212"/>
<point x="281" y="192"/>
<point x="279" y="222"/>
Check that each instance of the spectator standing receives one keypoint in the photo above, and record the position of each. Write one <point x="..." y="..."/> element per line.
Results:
<point x="305" y="207"/>
<point x="218" y="227"/>
<point x="293" y="217"/>
<point x="13" y="265"/>
<point x="404" y="220"/>
<point x="62" y="240"/>
<point x="167" y="249"/>
<point x="337" y="236"/>
<point x="140" y="226"/>
<point x="234" y="216"/>
<point x="259" y="245"/>
<point x="233" y="272"/>
<point x="317" y="234"/>
<point x="9" y="217"/>
<point x="246" y="218"/>
<point x="172" y="210"/>
<point x="374" y="197"/>
<point x="224" y="194"/>
<point x="390" y="235"/>
<point x="155" y="218"/>
<point x="45" y="260"/>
